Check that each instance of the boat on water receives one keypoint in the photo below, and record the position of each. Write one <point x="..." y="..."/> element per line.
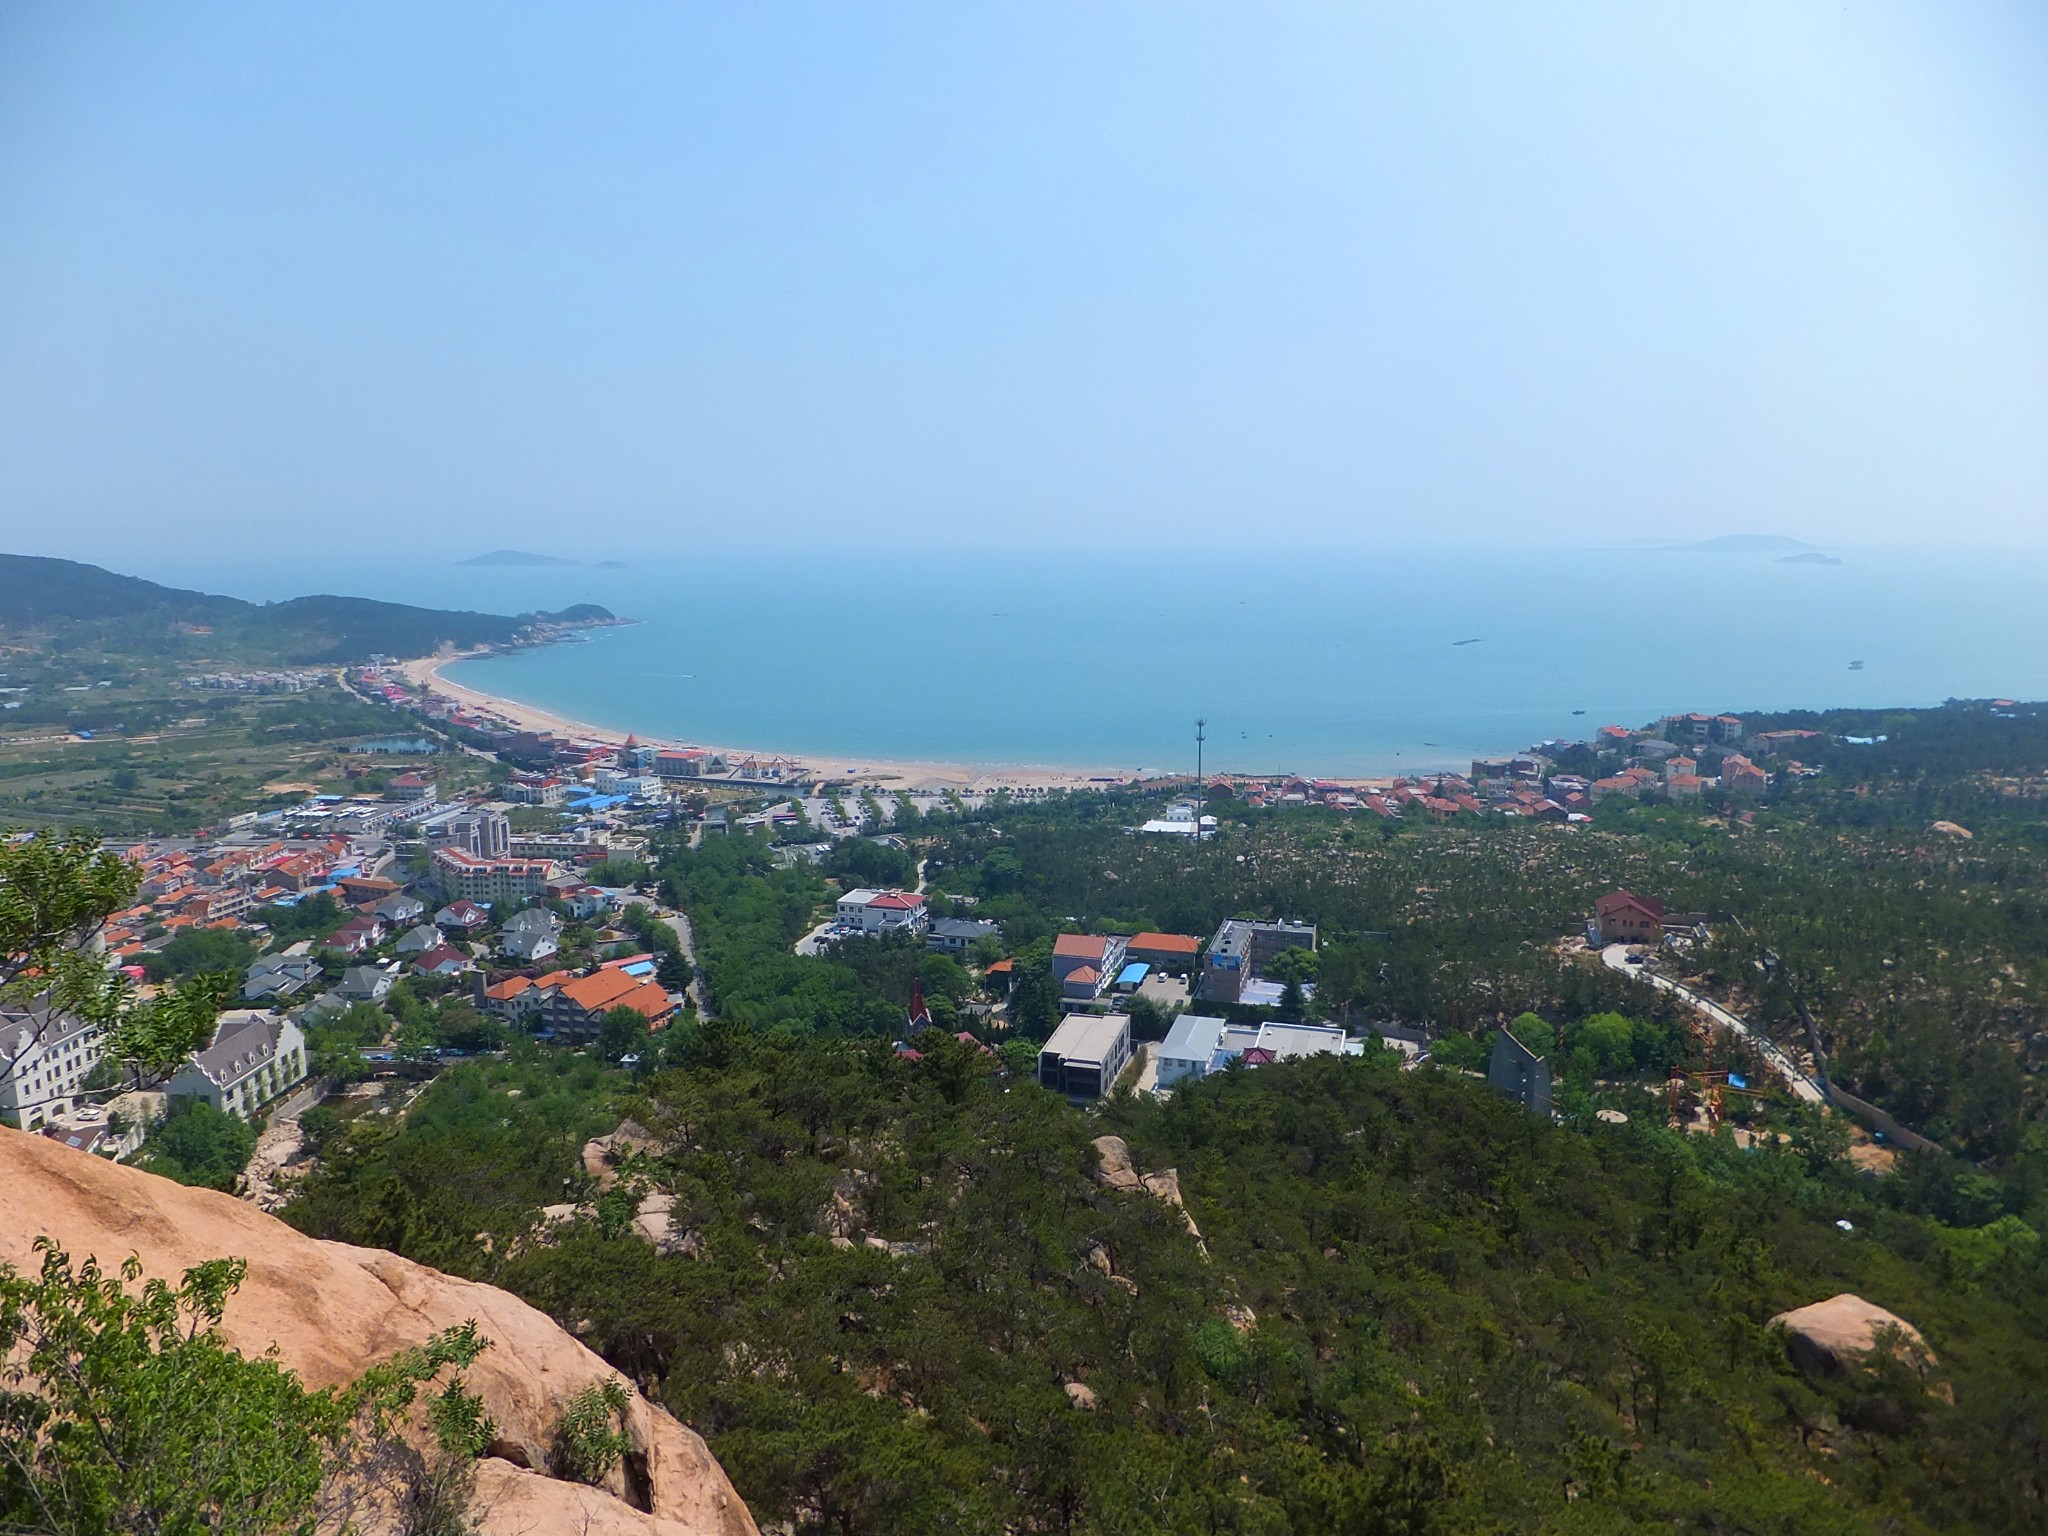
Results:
<point x="1855" y="666"/>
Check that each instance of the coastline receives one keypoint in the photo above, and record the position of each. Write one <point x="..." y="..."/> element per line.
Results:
<point x="891" y="773"/>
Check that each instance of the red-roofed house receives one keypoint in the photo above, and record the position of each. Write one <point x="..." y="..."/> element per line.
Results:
<point x="442" y="960"/>
<point x="1100" y="956"/>
<point x="1623" y="917"/>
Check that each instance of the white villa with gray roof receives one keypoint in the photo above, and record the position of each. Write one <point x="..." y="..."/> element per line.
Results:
<point x="255" y="1056"/>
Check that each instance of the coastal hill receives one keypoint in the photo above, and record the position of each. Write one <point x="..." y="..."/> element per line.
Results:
<point x="90" y="606"/>
<point x="331" y="1310"/>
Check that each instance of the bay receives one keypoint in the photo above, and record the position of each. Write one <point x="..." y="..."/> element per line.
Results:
<point x="1342" y="663"/>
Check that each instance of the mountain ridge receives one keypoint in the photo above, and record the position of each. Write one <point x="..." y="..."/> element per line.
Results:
<point x="41" y="591"/>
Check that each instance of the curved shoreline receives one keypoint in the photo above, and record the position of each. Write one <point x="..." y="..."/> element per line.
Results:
<point x="894" y="773"/>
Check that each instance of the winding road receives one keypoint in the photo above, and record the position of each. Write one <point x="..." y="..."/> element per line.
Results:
<point x="1803" y="1087"/>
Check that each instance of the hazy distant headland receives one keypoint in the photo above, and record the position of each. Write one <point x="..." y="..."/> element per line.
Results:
<point x="523" y="557"/>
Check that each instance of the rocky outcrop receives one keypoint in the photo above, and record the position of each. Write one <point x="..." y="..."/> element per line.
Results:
<point x="1117" y="1171"/>
<point x="1838" y="1335"/>
<point x="281" y="1145"/>
<point x="332" y="1310"/>
<point x="602" y="1153"/>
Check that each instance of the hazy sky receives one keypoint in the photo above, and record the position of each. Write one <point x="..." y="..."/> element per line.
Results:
<point x="1098" y="274"/>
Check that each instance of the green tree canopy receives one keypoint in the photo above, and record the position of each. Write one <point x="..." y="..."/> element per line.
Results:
<point x="195" y="1143"/>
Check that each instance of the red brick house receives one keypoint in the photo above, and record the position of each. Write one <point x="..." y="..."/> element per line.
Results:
<point x="1623" y="917"/>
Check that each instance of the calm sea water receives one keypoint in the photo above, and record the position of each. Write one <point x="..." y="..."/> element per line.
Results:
<point x="1311" y="663"/>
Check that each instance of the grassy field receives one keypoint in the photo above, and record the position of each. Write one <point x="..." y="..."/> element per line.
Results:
<point x="197" y="757"/>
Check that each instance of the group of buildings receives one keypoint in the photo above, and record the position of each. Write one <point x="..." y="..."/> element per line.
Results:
<point x="1682" y="758"/>
<point x="562" y="767"/>
<point x="1095" y="973"/>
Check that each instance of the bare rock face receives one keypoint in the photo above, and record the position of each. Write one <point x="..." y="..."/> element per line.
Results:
<point x="1166" y="1186"/>
<point x="1081" y="1395"/>
<point x="510" y="1501"/>
<point x="1838" y="1335"/>
<point x="333" y="1310"/>
<point x="1116" y="1171"/>
<point x="601" y="1152"/>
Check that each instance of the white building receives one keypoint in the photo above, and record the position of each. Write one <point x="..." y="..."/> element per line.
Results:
<point x="614" y="781"/>
<point x="533" y="935"/>
<point x="1085" y="1054"/>
<point x="254" y="1057"/>
<point x="883" y="911"/>
<point x="1197" y="1045"/>
<point x="1189" y="1048"/>
<point x="44" y="1060"/>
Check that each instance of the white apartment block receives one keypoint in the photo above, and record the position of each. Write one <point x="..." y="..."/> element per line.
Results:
<point x="44" y="1061"/>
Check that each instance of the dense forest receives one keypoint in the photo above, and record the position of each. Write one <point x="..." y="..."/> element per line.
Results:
<point x="896" y="1293"/>
<point x="899" y="1298"/>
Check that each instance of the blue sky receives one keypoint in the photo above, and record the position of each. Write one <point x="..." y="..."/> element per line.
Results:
<point x="1036" y="275"/>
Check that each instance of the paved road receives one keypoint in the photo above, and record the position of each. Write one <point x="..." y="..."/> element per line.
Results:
<point x="1616" y="958"/>
<point x="301" y="1101"/>
<point x="679" y="925"/>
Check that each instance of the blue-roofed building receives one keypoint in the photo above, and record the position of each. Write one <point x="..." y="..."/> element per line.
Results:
<point x="1132" y="976"/>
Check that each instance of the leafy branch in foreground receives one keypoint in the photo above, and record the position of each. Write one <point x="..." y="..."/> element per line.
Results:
<point x="56" y="894"/>
<point x="125" y="1410"/>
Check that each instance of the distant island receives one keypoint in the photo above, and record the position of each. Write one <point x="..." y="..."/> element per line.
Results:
<point x="518" y="557"/>
<point x="1745" y="544"/>
<point x="1808" y="557"/>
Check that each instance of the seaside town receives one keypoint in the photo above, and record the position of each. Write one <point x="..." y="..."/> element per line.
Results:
<point x="1076" y="770"/>
<point x="438" y="893"/>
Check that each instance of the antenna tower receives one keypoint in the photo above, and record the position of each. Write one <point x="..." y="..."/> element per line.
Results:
<point x="1201" y="727"/>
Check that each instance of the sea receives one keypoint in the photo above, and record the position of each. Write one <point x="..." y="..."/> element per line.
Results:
<point x="1297" y="659"/>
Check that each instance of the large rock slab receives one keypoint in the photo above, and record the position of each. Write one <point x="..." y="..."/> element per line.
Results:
<point x="1115" y="1170"/>
<point x="332" y="1310"/>
<point x="1838" y="1335"/>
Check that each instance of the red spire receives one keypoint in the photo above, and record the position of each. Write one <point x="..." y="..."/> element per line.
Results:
<point x="919" y="1014"/>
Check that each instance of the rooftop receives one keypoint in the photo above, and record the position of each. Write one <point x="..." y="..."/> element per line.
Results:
<point x="1086" y="1037"/>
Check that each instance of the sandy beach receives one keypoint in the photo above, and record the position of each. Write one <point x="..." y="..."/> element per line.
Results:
<point x="894" y="773"/>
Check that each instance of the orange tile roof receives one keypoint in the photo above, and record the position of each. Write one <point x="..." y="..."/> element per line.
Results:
<point x="504" y="991"/>
<point x="594" y="994"/>
<point x="1079" y="946"/>
<point x="1166" y="943"/>
<point x="650" y="1001"/>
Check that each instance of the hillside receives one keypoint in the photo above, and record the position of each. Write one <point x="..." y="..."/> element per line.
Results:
<point x="85" y="606"/>
<point x="903" y="1295"/>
